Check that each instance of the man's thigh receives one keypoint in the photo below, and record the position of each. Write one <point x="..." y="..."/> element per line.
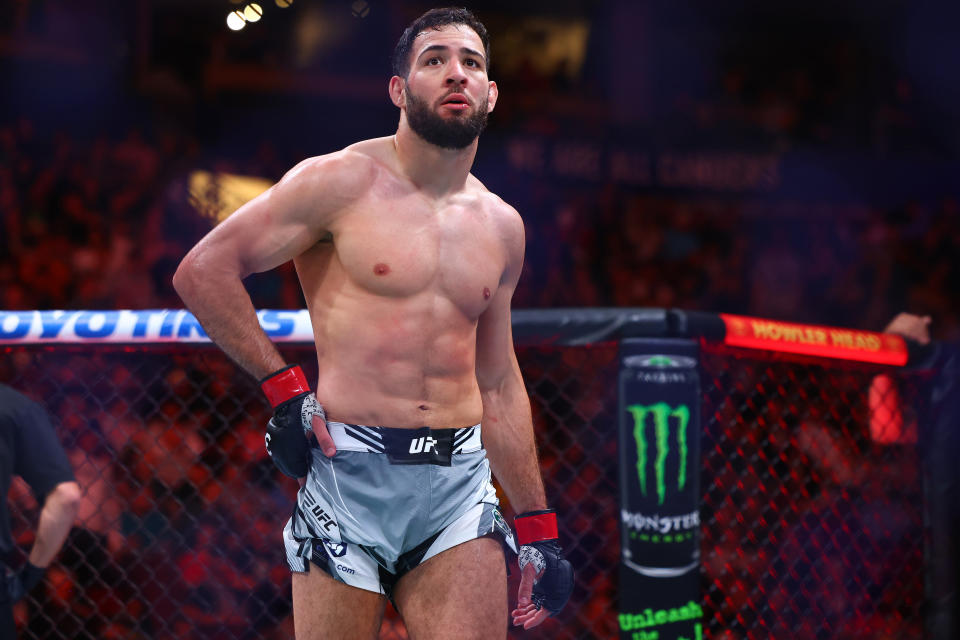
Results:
<point x="324" y="608"/>
<point x="459" y="593"/>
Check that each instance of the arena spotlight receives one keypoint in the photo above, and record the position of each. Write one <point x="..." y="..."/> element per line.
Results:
<point x="235" y="20"/>
<point x="217" y="195"/>
<point x="283" y="4"/>
<point x="252" y="12"/>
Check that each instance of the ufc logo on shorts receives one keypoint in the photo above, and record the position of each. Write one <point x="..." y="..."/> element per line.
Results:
<point x="423" y="444"/>
<point x="322" y="517"/>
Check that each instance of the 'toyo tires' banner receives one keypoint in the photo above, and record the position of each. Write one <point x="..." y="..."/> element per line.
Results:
<point x="659" y="404"/>
<point x="136" y="326"/>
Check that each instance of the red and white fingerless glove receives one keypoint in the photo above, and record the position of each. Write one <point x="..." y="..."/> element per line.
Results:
<point x="293" y="409"/>
<point x="540" y="546"/>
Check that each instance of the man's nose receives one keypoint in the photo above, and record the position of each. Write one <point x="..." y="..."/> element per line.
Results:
<point x="456" y="74"/>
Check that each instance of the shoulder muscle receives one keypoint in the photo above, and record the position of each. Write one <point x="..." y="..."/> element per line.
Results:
<point x="319" y="188"/>
<point x="511" y="229"/>
<point x="289" y="217"/>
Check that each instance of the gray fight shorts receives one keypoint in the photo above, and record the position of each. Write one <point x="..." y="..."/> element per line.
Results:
<point x="389" y="500"/>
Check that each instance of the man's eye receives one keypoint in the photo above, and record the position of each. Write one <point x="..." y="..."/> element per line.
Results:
<point x="434" y="61"/>
<point x="472" y="63"/>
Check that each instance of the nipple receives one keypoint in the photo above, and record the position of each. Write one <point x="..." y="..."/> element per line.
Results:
<point x="381" y="269"/>
<point x="486" y="293"/>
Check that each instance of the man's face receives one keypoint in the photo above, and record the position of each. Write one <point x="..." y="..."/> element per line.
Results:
<point x="447" y="90"/>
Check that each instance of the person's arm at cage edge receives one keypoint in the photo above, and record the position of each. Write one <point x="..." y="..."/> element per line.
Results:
<point x="911" y="326"/>
<point x="884" y="400"/>
<point x="56" y="519"/>
<point x="271" y="229"/>
<point x="547" y="578"/>
<point x="41" y="461"/>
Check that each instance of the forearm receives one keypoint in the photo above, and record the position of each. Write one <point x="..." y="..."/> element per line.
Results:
<point x="511" y="449"/>
<point x="56" y="519"/>
<point x="223" y="307"/>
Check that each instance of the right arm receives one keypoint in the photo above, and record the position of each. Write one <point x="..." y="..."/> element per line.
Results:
<point x="271" y="229"/>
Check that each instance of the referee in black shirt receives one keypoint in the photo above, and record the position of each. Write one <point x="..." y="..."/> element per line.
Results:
<point x="29" y="449"/>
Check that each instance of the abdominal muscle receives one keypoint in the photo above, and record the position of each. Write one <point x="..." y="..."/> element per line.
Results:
<point x="405" y="362"/>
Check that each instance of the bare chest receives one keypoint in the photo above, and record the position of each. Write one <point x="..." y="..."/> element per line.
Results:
<point x="403" y="247"/>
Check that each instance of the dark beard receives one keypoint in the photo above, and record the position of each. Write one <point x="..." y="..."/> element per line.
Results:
<point x="446" y="133"/>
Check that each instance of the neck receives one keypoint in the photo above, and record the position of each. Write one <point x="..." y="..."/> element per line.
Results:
<point x="435" y="170"/>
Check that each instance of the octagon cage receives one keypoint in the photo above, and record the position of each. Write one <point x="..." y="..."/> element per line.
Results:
<point x="812" y="495"/>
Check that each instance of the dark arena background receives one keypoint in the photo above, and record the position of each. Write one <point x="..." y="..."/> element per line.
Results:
<point x="684" y="170"/>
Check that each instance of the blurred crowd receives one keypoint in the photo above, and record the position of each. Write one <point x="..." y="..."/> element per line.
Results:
<point x="840" y="266"/>
<point x="83" y="220"/>
<point x="103" y="222"/>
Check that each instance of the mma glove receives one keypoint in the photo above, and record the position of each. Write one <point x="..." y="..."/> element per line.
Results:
<point x="294" y="407"/>
<point x="21" y="583"/>
<point x="540" y="546"/>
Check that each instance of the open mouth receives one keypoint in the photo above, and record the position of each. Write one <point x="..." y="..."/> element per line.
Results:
<point x="456" y="100"/>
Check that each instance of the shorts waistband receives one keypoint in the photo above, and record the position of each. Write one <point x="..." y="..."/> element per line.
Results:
<point x="357" y="437"/>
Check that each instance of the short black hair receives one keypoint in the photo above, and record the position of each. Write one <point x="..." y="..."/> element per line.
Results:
<point x="436" y="19"/>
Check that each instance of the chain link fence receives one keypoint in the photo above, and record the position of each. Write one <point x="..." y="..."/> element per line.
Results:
<point x="179" y="531"/>
<point x="812" y="504"/>
<point x="811" y="523"/>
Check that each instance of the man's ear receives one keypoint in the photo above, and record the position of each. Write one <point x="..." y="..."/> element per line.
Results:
<point x="492" y="96"/>
<point x="396" y="87"/>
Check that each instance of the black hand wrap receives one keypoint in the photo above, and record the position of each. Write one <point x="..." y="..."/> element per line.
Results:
<point x="540" y="546"/>
<point x="293" y="409"/>
<point x="20" y="584"/>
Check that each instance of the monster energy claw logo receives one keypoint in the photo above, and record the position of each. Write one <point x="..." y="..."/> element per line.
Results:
<point x="661" y="362"/>
<point x="662" y="414"/>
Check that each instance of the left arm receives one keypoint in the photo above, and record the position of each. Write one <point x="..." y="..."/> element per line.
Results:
<point x="546" y="577"/>
<point x="508" y="434"/>
<point x="56" y="519"/>
<point x="507" y="421"/>
<point x="41" y="461"/>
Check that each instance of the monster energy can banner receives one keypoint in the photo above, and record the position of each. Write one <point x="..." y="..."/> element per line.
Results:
<point x="659" y="490"/>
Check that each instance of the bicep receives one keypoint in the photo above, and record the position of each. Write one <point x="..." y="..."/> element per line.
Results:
<point x="260" y="235"/>
<point x="281" y="223"/>
<point x="495" y="353"/>
<point x="264" y="233"/>
<point x="496" y="358"/>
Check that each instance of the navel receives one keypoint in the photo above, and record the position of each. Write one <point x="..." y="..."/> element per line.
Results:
<point x="486" y="293"/>
<point x="381" y="269"/>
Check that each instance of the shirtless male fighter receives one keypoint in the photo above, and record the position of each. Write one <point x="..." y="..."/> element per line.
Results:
<point x="408" y="265"/>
